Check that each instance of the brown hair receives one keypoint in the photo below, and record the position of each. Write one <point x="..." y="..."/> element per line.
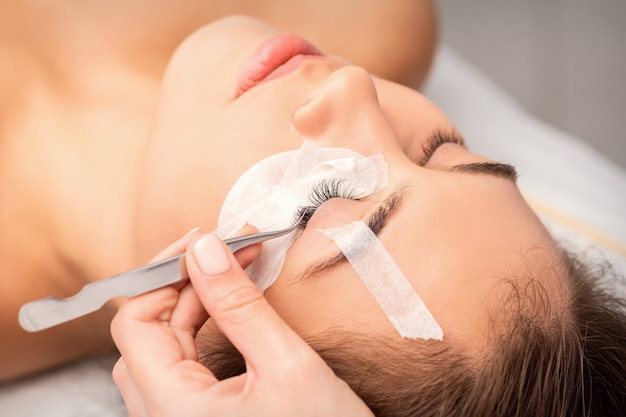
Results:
<point x="570" y="364"/>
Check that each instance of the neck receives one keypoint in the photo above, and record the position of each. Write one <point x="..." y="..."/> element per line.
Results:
<point x="69" y="162"/>
<point x="75" y="130"/>
<point x="98" y="210"/>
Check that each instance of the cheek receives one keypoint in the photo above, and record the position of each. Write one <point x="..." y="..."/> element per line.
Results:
<point x="336" y="299"/>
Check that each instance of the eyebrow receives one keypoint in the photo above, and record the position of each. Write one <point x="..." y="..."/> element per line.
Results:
<point x="495" y="169"/>
<point x="440" y="137"/>
<point x="375" y="221"/>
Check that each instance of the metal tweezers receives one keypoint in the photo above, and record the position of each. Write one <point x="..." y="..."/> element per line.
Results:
<point x="51" y="311"/>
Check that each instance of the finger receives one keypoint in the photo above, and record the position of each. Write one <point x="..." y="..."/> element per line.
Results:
<point x="238" y="307"/>
<point x="248" y="254"/>
<point x="177" y="247"/>
<point x="189" y="315"/>
<point x="187" y="319"/>
<point x="135" y="406"/>
<point x="136" y="320"/>
<point x="244" y="256"/>
<point x="155" y="331"/>
<point x="152" y="349"/>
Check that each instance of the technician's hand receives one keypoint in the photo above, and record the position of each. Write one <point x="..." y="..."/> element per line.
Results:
<point x="158" y="373"/>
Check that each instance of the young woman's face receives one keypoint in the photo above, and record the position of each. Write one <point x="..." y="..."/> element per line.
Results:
<point x="460" y="229"/>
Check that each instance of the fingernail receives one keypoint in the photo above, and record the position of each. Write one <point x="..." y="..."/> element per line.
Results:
<point x="194" y="230"/>
<point x="211" y="255"/>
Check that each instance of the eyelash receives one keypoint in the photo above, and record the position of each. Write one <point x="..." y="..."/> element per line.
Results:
<point x="336" y="188"/>
<point x="437" y="139"/>
<point x="321" y="193"/>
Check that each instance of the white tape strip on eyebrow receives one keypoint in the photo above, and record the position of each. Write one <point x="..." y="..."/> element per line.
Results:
<point x="385" y="281"/>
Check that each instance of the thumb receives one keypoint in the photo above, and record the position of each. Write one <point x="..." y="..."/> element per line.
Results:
<point x="238" y="307"/>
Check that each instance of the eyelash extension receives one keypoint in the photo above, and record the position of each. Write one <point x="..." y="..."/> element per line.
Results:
<point x="437" y="139"/>
<point x="321" y="193"/>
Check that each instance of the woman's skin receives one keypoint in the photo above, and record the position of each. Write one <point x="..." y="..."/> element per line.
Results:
<point x="79" y="88"/>
<point x="81" y="203"/>
<point x="456" y="235"/>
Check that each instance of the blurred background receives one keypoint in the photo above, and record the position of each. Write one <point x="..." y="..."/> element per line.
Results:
<point x="563" y="60"/>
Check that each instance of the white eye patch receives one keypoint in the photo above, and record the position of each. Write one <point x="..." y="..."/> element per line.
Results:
<point x="269" y="194"/>
<point x="385" y="281"/>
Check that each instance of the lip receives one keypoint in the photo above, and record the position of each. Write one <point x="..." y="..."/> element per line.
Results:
<point x="275" y="57"/>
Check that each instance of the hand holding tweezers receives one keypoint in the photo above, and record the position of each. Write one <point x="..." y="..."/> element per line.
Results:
<point x="51" y="311"/>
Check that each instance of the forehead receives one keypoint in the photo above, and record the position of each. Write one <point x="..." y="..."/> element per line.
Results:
<point x="458" y="238"/>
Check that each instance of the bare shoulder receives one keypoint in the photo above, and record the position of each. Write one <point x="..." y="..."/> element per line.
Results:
<point x="393" y="39"/>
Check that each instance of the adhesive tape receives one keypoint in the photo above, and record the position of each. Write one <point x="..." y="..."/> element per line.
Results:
<point x="269" y="194"/>
<point x="385" y="281"/>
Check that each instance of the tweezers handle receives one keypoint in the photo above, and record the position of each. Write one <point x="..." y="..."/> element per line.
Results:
<point x="51" y="311"/>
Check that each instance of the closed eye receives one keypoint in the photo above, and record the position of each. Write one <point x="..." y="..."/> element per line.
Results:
<point x="440" y="137"/>
<point x="437" y="139"/>
<point x="376" y="222"/>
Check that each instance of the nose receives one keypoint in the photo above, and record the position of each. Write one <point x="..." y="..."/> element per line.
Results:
<point x="344" y="112"/>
